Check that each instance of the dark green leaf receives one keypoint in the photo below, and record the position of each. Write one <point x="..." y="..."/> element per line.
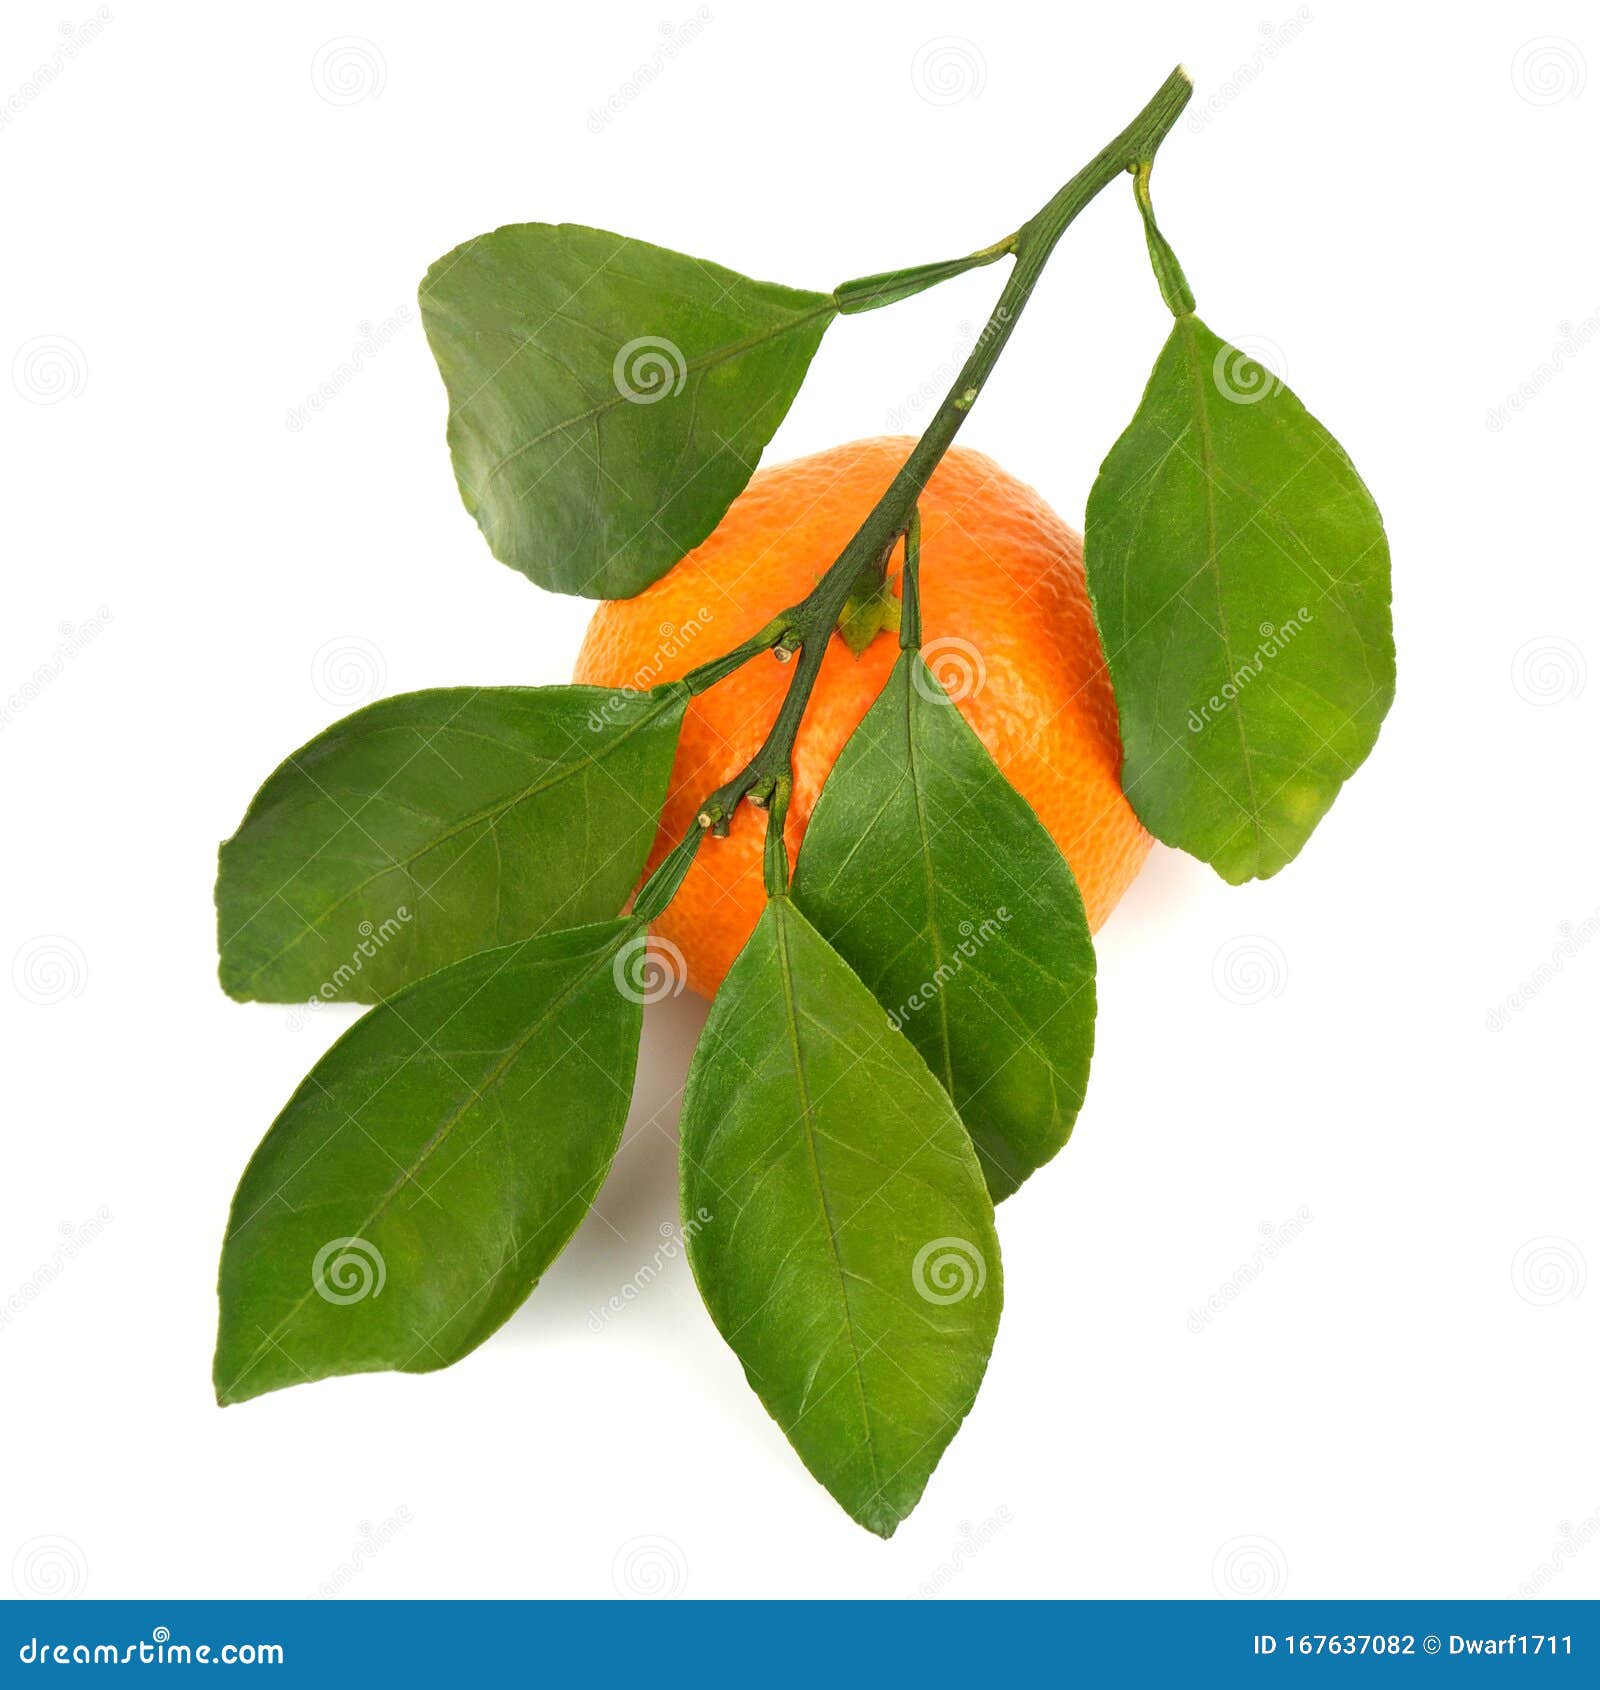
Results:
<point x="608" y="398"/>
<point x="431" y="1166"/>
<point x="932" y="877"/>
<point x="842" y="1238"/>
<point x="436" y="824"/>
<point x="1240" y="578"/>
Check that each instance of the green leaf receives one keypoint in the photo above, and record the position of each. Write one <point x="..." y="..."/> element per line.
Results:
<point x="850" y="1256"/>
<point x="1240" y="578"/>
<point x="608" y="398"/>
<point x="436" y="824"/>
<point x="931" y="876"/>
<point x="431" y="1166"/>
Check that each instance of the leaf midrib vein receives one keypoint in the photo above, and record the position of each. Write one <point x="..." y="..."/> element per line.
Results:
<point x="792" y="1027"/>
<point x="925" y="844"/>
<point x="1209" y="469"/>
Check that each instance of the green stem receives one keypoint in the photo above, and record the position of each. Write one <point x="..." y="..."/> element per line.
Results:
<point x="809" y="625"/>
<point x="775" y="855"/>
<point x="867" y="293"/>
<point x="662" y="886"/>
<point x="911" y="586"/>
<point x="1175" y="289"/>
<point x="814" y="618"/>
<point x="708" y="674"/>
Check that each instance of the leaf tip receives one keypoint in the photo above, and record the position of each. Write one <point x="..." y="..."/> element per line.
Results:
<point x="238" y="1387"/>
<point x="231" y="1377"/>
<point x="880" y="1519"/>
<point x="226" y="1392"/>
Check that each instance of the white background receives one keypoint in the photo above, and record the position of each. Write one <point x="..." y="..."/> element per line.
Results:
<point x="207" y="209"/>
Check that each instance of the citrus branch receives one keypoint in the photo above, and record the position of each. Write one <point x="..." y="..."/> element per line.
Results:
<point x="807" y="626"/>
